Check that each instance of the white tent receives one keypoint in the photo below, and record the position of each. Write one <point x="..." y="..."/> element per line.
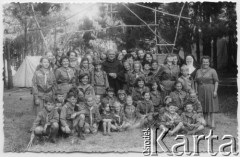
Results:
<point x="24" y="74"/>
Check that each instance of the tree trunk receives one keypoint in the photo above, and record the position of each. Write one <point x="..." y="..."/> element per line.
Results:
<point x="197" y="46"/>
<point x="10" y="79"/>
<point x="215" y="52"/>
<point x="25" y="39"/>
<point x="4" y="67"/>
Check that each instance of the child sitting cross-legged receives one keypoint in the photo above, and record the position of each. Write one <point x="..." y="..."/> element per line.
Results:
<point x="130" y="113"/>
<point x="191" y="121"/>
<point x="107" y="117"/>
<point x="46" y="123"/>
<point x="171" y="120"/>
<point x="70" y="119"/>
<point x="119" y="122"/>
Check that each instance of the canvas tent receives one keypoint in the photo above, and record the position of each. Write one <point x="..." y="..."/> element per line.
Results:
<point x="24" y="74"/>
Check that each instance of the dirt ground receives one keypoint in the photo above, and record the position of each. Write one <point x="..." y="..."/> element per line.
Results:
<point x="18" y="118"/>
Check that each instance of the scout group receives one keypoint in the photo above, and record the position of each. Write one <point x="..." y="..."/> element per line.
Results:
<point x="115" y="92"/>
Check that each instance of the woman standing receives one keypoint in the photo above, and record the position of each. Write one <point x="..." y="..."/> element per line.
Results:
<point x="65" y="76"/>
<point x="44" y="84"/>
<point x="207" y="86"/>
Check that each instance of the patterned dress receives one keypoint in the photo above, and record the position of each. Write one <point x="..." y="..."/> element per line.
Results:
<point x="206" y="81"/>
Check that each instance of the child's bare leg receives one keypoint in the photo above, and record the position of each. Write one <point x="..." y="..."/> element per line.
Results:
<point x="109" y="128"/>
<point x="176" y="129"/>
<point x="104" y="128"/>
<point x="80" y="126"/>
<point x="54" y="131"/>
<point x="200" y="128"/>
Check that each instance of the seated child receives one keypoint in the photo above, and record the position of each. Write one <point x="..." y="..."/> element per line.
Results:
<point x="139" y="88"/>
<point x="70" y="119"/>
<point x="59" y="101"/>
<point x="156" y="96"/>
<point x="185" y="79"/>
<point x="46" y="123"/>
<point x="110" y="98"/>
<point x="179" y="97"/>
<point x="145" y="110"/>
<point x="107" y="117"/>
<point x="171" y="120"/>
<point x="119" y="122"/>
<point x="98" y="101"/>
<point x="91" y="115"/>
<point x="197" y="106"/>
<point x="130" y="113"/>
<point x="191" y="121"/>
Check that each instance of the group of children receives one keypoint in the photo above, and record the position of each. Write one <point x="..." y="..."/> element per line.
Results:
<point x="93" y="106"/>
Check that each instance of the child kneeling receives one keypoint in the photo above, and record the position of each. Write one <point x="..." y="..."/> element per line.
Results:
<point x="91" y="115"/>
<point x="46" y="123"/>
<point x="70" y="119"/>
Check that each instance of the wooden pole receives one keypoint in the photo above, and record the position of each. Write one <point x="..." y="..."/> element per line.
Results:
<point x="25" y="37"/>
<point x="155" y="22"/>
<point x="34" y="16"/>
<point x="178" y="26"/>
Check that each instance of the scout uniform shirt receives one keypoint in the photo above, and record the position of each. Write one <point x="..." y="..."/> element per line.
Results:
<point x="137" y="93"/>
<point x="44" y="83"/>
<point x="65" y="79"/>
<point x="65" y="116"/>
<point x="99" y="81"/>
<point x="179" y="97"/>
<point x="130" y="112"/>
<point x="85" y="91"/>
<point x="190" y="118"/>
<point x="167" y="117"/>
<point x="144" y="108"/>
<point x="45" y="117"/>
<point x="157" y="99"/>
<point x="92" y="114"/>
<point x="197" y="107"/>
<point x="168" y="75"/>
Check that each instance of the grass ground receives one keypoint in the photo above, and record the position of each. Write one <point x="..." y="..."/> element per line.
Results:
<point x="18" y="120"/>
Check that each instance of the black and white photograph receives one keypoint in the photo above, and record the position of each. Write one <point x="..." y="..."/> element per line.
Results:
<point x="145" y="78"/>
